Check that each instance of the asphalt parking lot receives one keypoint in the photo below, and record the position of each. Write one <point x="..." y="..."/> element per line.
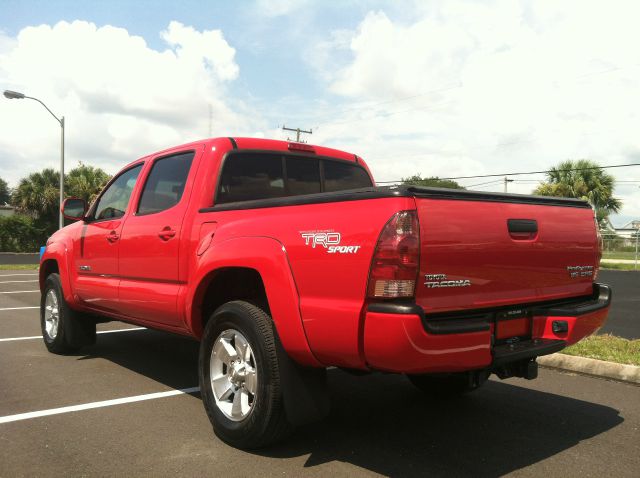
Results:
<point x="126" y="415"/>
<point x="624" y="319"/>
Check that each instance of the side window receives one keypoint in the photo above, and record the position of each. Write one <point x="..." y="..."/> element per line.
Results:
<point x="303" y="176"/>
<point x="340" y="176"/>
<point x="251" y="176"/>
<point x="113" y="202"/>
<point x="165" y="184"/>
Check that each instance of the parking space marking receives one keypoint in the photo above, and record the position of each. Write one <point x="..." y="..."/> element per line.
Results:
<point x="17" y="281"/>
<point x="104" y="403"/>
<point x="20" y="308"/>
<point x="32" y="337"/>
<point x="19" y="291"/>
<point x="13" y="275"/>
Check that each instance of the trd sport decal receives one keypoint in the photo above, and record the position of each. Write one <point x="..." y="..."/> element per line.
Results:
<point x="330" y="240"/>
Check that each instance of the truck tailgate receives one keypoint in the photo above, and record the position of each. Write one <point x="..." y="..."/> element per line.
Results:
<point x="502" y="251"/>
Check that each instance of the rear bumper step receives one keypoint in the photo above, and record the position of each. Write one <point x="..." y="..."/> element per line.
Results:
<point x="480" y="320"/>
<point x="524" y="350"/>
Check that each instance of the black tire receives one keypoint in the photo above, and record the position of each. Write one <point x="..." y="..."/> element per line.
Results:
<point x="266" y="422"/>
<point x="73" y="331"/>
<point x="450" y="384"/>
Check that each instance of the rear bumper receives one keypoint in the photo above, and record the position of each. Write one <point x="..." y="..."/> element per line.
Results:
<point x="400" y="338"/>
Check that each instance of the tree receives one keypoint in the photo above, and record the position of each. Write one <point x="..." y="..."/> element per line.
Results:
<point x="5" y="194"/>
<point x="583" y="179"/>
<point x="433" y="181"/>
<point x="37" y="195"/>
<point x="85" y="182"/>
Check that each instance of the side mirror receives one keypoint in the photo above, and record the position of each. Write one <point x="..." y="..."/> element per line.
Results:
<point x="74" y="209"/>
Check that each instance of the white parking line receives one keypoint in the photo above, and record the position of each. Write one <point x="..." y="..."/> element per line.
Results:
<point x="20" y="308"/>
<point x="16" y="281"/>
<point x="32" y="337"/>
<point x="13" y="275"/>
<point x="88" y="406"/>
<point x="19" y="291"/>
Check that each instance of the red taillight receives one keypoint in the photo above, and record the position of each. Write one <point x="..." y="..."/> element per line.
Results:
<point x="395" y="263"/>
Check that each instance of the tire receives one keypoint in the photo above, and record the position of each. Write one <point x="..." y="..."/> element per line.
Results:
<point x="239" y="385"/>
<point x="63" y="330"/>
<point x="450" y="384"/>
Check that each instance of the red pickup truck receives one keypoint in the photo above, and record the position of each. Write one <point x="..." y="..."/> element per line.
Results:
<point x="284" y="259"/>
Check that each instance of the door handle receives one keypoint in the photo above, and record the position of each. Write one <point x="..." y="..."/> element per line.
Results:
<point x="113" y="236"/>
<point x="167" y="233"/>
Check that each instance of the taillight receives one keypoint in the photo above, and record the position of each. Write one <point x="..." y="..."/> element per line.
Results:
<point x="396" y="259"/>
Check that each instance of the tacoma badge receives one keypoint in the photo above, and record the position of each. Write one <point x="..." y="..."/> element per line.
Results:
<point x="440" y="280"/>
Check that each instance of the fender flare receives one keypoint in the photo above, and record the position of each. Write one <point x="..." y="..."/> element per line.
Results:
<point x="268" y="257"/>
<point x="58" y="252"/>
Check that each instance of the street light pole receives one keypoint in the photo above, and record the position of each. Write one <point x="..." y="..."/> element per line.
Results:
<point x="14" y="95"/>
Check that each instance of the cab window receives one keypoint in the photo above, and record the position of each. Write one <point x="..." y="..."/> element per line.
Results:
<point x="165" y="184"/>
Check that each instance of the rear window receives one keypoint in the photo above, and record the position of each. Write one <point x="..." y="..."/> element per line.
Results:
<point x="252" y="176"/>
<point x="341" y="176"/>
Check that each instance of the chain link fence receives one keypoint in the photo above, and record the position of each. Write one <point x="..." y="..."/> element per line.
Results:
<point x="621" y="249"/>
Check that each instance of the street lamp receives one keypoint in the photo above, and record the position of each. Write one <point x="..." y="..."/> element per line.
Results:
<point x="14" y="95"/>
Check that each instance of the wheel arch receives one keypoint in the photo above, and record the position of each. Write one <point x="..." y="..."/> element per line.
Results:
<point x="54" y="260"/>
<point x="255" y="269"/>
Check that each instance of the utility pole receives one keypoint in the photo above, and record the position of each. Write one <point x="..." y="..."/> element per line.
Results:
<point x="506" y="181"/>
<point x="297" y="131"/>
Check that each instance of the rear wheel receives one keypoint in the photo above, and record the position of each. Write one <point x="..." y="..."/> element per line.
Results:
<point x="450" y="384"/>
<point x="239" y="377"/>
<point x="64" y="331"/>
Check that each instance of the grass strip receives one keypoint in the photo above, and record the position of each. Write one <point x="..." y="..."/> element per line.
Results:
<point x="19" y="267"/>
<point x="607" y="347"/>
<point x="618" y="267"/>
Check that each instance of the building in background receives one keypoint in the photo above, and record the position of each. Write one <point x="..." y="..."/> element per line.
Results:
<point x="6" y="210"/>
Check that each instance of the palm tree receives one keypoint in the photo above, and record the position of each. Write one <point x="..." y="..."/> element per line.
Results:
<point x="37" y="195"/>
<point x="85" y="182"/>
<point x="583" y="179"/>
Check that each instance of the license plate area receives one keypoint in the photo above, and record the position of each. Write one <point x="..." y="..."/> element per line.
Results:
<point x="513" y="323"/>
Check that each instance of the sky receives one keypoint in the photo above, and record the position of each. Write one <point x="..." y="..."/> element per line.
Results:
<point x="441" y="88"/>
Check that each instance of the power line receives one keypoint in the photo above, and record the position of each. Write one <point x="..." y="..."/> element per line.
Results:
<point x="531" y="172"/>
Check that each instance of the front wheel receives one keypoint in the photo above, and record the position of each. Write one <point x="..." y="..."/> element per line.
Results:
<point x="239" y="377"/>
<point x="64" y="331"/>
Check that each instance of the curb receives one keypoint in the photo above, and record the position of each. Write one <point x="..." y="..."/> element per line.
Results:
<point x="588" y="366"/>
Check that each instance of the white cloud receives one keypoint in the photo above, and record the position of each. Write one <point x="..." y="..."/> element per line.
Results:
<point x="121" y="98"/>
<point x="490" y="87"/>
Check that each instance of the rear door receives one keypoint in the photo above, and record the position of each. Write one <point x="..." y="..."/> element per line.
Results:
<point x="96" y="255"/>
<point x="149" y="248"/>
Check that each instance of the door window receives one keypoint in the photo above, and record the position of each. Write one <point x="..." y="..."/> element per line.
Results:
<point x="165" y="184"/>
<point x="114" y="200"/>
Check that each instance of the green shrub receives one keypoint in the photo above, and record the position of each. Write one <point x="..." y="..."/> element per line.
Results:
<point x="20" y="234"/>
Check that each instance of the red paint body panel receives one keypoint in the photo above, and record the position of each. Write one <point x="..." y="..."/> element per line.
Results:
<point x="470" y="240"/>
<point x="317" y="295"/>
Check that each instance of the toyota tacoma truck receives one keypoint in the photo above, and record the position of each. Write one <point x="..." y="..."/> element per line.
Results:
<point x="284" y="259"/>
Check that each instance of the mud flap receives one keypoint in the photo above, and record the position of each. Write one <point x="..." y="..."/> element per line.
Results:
<point x="304" y="390"/>
<point x="79" y="331"/>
